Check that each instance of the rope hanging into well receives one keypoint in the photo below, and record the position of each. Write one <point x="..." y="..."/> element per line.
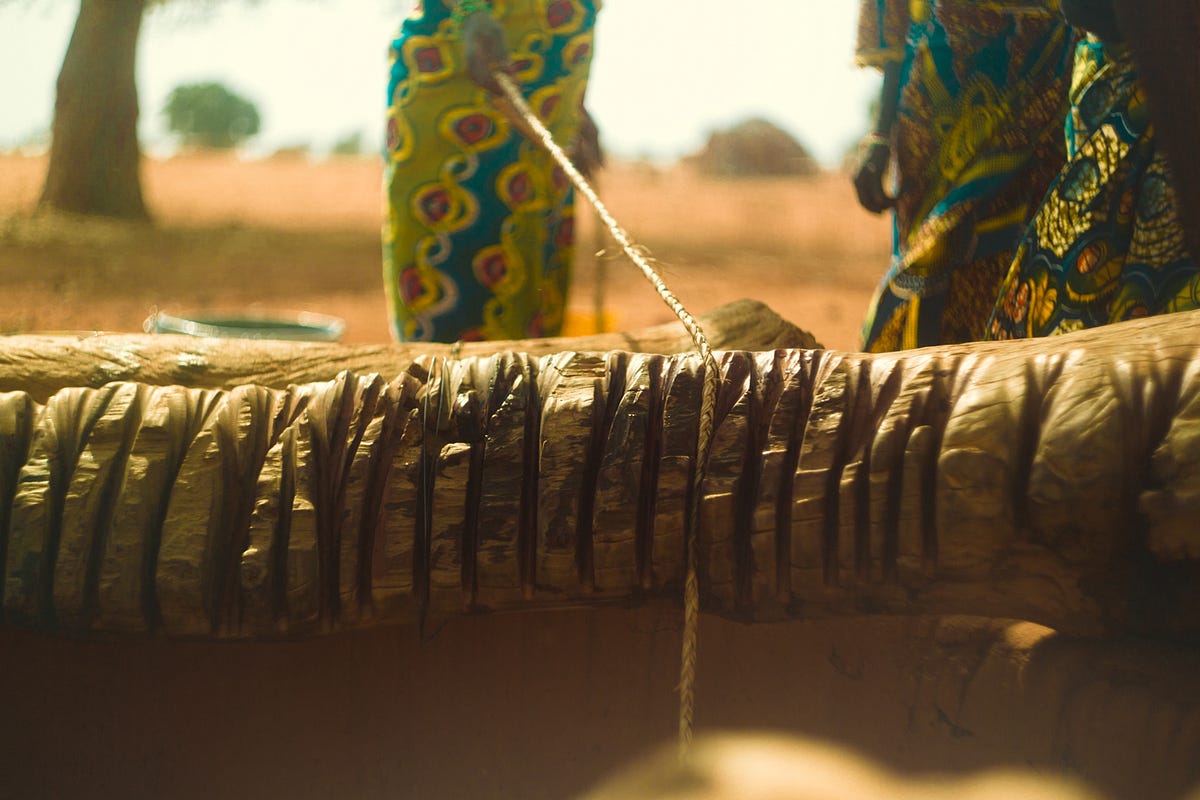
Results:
<point x="708" y="403"/>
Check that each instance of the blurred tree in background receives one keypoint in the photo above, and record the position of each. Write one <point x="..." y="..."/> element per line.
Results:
<point x="753" y="148"/>
<point x="95" y="157"/>
<point x="94" y="152"/>
<point x="349" y="145"/>
<point x="210" y="115"/>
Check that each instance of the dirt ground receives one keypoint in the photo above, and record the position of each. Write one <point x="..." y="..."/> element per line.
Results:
<point x="290" y="234"/>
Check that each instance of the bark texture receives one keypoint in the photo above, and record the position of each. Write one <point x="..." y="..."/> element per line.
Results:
<point x="94" y="153"/>
<point x="1055" y="480"/>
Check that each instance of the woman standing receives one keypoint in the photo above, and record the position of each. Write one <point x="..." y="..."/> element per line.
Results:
<point x="1109" y="243"/>
<point x="480" y="223"/>
<point x="970" y="123"/>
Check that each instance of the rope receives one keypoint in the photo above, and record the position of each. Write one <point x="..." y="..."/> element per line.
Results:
<point x="708" y="404"/>
<point x="601" y="277"/>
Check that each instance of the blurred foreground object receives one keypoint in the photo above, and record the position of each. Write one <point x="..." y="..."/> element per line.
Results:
<point x="776" y="767"/>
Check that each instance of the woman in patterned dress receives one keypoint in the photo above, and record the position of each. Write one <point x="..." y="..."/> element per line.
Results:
<point x="970" y="123"/>
<point x="1109" y="243"/>
<point x="480" y="223"/>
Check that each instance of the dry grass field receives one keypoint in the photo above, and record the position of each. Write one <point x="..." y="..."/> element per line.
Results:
<point x="290" y="234"/>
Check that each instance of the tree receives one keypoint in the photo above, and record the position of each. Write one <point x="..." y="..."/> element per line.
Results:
<point x="95" y="159"/>
<point x="210" y="115"/>
<point x="349" y="145"/>
<point x="753" y="148"/>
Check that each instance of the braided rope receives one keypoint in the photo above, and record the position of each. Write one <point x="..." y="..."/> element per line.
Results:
<point x="708" y="404"/>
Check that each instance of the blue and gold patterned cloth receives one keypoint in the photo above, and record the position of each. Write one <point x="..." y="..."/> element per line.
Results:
<point x="480" y="222"/>
<point x="976" y="142"/>
<point x="1107" y="244"/>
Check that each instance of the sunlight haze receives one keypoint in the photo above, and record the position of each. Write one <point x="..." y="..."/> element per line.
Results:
<point x="665" y="72"/>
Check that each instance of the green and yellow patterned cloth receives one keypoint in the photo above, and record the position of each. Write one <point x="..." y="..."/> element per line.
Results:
<point x="1107" y="244"/>
<point x="976" y="142"/>
<point x="480" y="223"/>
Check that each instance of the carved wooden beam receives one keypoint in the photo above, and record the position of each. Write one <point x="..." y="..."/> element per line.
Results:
<point x="41" y="365"/>
<point x="1054" y="480"/>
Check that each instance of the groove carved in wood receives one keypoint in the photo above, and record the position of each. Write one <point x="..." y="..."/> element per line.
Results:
<point x="1055" y="480"/>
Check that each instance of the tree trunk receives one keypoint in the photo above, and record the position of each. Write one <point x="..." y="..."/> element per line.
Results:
<point x="94" y="153"/>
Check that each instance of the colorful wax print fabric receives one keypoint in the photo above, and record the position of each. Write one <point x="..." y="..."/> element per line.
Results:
<point x="480" y="222"/>
<point x="976" y="142"/>
<point x="1107" y="244"/>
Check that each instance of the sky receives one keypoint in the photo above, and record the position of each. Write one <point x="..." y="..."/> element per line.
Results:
<point x="665" y="73"/>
